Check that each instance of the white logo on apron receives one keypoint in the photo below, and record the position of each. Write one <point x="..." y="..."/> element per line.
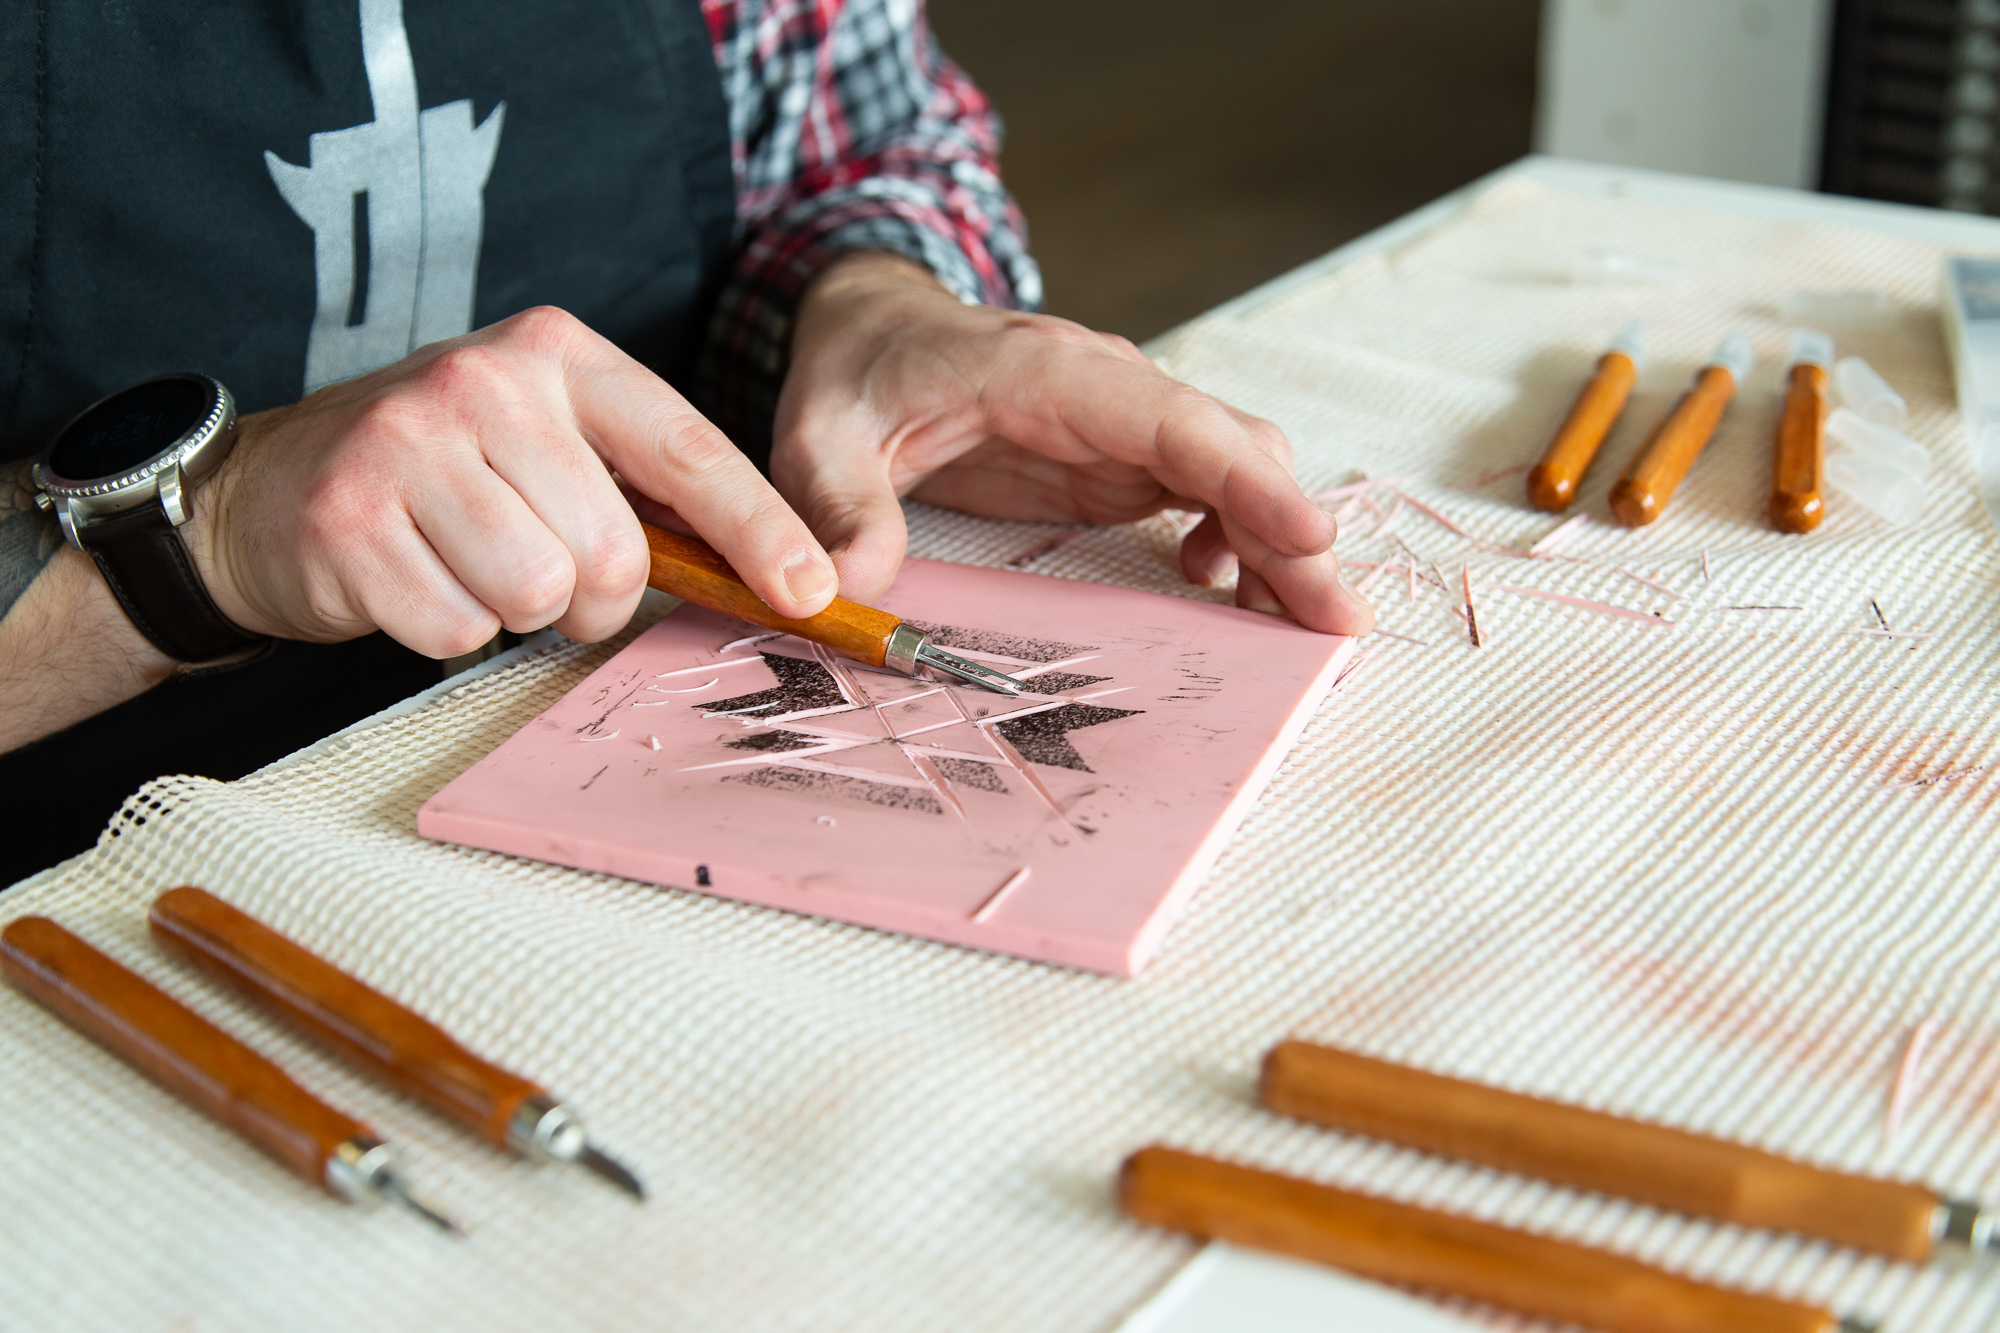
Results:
<point x="407" y="191"/>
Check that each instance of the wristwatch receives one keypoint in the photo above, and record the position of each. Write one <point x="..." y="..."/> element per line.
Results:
<point x="120" y="479"/>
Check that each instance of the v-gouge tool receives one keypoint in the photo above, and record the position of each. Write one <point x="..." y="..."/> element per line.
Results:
<point x="694" y="572"/>
<point x="204" y="1066"/>
<point x="1647" y="1163"/>
<point x="375" y="1033"/>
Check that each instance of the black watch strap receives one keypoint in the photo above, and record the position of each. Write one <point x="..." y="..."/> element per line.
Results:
<point x="147" y="565"/>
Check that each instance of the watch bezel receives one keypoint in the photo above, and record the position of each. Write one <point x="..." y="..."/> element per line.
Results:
<point x="195" y="453"/>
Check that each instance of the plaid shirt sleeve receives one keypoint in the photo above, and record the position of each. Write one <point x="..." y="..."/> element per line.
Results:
<point x="850" y="130"/>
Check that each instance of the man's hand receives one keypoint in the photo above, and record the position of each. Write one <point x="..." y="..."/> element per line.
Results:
<point x="470" y="486"/>
<point x="897" y="388"/>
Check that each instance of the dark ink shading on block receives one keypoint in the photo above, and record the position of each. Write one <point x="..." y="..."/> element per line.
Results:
<point x="701" y="880"/>
<point x="774" y="742"/>
<point x="833" y="784"/>
<point x="971" y="773"/>
<point x="802" y="685"/>
<point x="998" y="643"/>
<point x="1043" y="738"/>
<point x="1060" y="682"/>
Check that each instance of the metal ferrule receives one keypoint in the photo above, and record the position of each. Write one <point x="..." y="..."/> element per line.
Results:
<point x="1963" y="1232"/>
<point x="901" y="654"/>
<point x="541" y="1130"/>
<point x="358" y="1170"/>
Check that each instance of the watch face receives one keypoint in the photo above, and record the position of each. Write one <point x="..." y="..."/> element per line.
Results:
<point x="128" y="428"/>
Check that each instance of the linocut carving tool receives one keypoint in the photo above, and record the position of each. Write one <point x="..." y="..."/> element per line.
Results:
<point x="1552" y="482"/>
<point x="1798" y="464"/>
<point x="204" y="1066"/>
<point x="691" y="570"/>
<point x="374" y="1032"/>
<point x="1399" y="1243"/>
<point x="1649" y="1164"/>
<point x="1641" y="495"/>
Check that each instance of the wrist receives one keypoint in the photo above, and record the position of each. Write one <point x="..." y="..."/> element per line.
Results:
<point x="857" y="279"/>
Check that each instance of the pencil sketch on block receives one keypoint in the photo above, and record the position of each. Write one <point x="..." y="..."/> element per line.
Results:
<point x="762" y="767"/>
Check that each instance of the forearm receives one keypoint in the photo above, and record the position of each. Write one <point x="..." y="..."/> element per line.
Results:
<point x="67" y="651"/>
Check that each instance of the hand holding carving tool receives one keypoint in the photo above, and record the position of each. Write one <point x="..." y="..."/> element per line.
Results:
<point x="693" y="571"/>
<point x="1641" y="495"/>
<point x="1798" y="464"/>
<point x="374" y="1032"/>
<point x="1394" y="1242"/>
<point x="204" y="1066"/>
<point x="1649" y="1164"/>
<point x="1552" y="483"/>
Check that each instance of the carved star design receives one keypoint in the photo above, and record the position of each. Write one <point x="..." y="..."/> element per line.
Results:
<point x="833" y="726"/>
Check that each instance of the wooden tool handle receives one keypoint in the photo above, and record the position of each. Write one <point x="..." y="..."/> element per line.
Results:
<point x="1651" y="1164"/>
<point x="1798" y="469"/>
<point x="1552" y="482"/>
<point x="692" y="571"/>
<point x="1641" y="495"/>
<point x="182" y="1051"/>
<point x="370" y="1029"/>
<point x="1394" y="1242"/>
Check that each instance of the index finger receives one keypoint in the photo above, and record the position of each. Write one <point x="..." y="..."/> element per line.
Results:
<point x="664" y="448"/>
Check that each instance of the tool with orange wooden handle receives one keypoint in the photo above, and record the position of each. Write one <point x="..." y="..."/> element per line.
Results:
<point x="1641" y="495"/>
<point x="1647" y="1163"/>
<point x="1393" y="1242"/>
<point x="204" y="1066"/>
<point x="693" y="571"/>
<point x="1552" y="483"/>
<point x="374" y="1032"/>
<point x="1798" y="462"/>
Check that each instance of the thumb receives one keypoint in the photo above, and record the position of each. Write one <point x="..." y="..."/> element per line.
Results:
<point x="839" y="484"/>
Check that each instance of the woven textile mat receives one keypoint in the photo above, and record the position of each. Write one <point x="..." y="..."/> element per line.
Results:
<point x="1686" y="873"/>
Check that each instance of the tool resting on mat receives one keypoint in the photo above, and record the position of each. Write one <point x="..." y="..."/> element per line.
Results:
<point x="1649" y="1164"/>
<point x="1641" y="495"/>
<point x="374" y="1032"/>
<point x="1394" y="1242"/>
<point x="203" y="1065"/>
<point x="694" y="572"/>
<point x="1552" y="483"/>
<point x="1798" y="458"/>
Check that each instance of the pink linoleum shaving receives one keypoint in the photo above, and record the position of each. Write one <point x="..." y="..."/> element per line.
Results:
<point x="1358" y="487"/>
<point x="1471" y="612"/>
<point x="1641" y="578"/>
<point x="1559" y="534"/>
<point x="1904" y="1090"/>
<point x="1429" y="512"/>
<point x="1584" y="603"/>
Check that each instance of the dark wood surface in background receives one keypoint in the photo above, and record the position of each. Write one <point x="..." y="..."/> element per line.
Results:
<point x="1171" y="154"/>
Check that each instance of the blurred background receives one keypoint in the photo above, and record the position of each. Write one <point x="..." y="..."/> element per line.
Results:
<point x="1171" y="154"/>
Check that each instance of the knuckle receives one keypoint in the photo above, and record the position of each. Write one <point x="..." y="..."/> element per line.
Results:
<point x="613" y="558"/>
<point x="1269" y="437"/>
<point x="468" y="373"/>
<point x="1041" y="329"/>
<point x="540" y="588"/>
<point x="545" y="329"/>
<point x="1121" y="345"/>
<point x="696" y="445"/>
<point x="457" y="635"/>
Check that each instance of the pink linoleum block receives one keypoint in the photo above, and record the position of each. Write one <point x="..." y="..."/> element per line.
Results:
<point x="766" y="770"/>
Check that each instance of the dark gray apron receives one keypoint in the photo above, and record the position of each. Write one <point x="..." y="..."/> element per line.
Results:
<point x="286" y="194"/>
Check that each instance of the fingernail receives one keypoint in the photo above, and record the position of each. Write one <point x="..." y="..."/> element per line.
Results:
<point x="1218" y="567"/>
<point x="841" y="547"/>
<point x="808" y="577"/>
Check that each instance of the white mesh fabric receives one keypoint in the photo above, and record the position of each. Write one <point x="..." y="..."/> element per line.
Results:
<point x="1664" y="872"/>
